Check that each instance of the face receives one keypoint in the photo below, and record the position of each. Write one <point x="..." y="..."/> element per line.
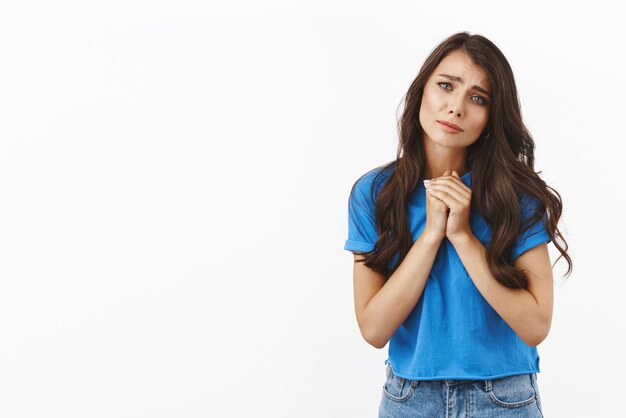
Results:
<point x="457" y="97"/>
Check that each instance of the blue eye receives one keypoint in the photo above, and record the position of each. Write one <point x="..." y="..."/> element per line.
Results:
<point x="481" y="101"/>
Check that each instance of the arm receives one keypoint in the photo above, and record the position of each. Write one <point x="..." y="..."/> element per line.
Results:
<point x="527" y="312"/>
<point x="382" y="307"/>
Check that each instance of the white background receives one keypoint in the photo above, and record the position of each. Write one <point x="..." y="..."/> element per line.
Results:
<point x="174" y="180"/>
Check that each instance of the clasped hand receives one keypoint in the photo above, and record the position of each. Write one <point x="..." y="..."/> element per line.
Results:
<point x="451" y="190"/>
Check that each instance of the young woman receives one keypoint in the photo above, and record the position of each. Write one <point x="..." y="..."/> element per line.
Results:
<point x="451" y="264"/>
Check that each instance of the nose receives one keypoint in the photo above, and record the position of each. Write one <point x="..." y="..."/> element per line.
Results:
<point x="456" y="106"/>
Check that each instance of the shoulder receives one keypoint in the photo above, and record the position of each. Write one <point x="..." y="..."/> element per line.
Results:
<point x="530" y="205"/>
<point x="368" y="185"/>
<point x="528" y="201"/>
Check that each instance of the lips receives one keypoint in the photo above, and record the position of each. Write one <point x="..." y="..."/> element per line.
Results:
<point x="450" y="125"/>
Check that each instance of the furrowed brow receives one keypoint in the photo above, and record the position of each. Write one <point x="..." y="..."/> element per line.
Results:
<point x="460" y="80"/>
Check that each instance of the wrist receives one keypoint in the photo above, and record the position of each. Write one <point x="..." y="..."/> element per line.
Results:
<point x="432" y="237"/>
<point x="461" y="238"/>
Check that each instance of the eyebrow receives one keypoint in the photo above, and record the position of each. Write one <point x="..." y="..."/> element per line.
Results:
<point x="460" y="80"/>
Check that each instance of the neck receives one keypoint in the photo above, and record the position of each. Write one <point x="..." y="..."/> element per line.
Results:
<point x="435" y="167"/>
<point x="439" y="159"/>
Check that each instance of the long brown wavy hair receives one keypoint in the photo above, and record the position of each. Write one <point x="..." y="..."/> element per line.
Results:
<point x="502" y="168"/>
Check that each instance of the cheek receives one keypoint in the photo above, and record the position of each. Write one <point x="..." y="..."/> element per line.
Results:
<point x="481" y="117"/>
<point x="485" y="119"/>
<point x="430" y="102"/>
<point x="432" y="96"/>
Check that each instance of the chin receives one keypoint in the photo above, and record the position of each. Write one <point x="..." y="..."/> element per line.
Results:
<point x="447" y="141"/>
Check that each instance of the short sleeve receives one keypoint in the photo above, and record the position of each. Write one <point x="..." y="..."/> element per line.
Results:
<point x="536" y="234"/>
<point x="362" y="233"/>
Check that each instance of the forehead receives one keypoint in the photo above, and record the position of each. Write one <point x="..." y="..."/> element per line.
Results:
<point x="459" y="64"/>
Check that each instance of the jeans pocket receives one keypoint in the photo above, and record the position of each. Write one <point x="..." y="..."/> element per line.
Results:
<point x="512" y="391"/>
<point x="537" y="392"/>
<point x="398" y="389"/>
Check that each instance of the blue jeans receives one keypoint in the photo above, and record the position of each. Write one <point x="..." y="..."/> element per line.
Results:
<point x="510" y="396"/>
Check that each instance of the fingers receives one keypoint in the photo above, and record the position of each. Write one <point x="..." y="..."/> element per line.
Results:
<point x="452" y="184"/>
<point x="453" y="190"/>
<point x="450" y="200"/>
<point x="450" y="189"/>
<point x="433" y="195"/>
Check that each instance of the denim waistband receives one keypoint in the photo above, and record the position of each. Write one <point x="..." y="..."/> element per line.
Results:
<point x="487" y="383"/>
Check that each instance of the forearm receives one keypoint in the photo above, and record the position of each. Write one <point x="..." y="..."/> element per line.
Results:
<point x="393" y="303"/>
<point x="517" y="307"/>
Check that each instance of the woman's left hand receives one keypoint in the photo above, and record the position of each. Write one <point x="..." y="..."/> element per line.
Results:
<point x="458" y="197"/>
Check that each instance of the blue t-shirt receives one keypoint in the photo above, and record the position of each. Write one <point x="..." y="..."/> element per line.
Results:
<point x="452" y="332"/>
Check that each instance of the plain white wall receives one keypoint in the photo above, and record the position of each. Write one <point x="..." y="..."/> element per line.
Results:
<point x="174" y="180"/>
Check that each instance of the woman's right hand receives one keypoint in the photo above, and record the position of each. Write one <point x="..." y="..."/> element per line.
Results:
<point x="436" y="215"/>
